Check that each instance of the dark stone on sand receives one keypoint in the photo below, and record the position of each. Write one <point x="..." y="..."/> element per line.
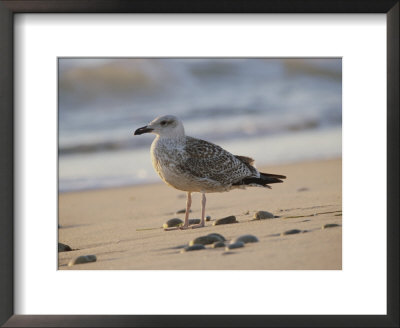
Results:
<point x="195" y="247"/>
<point x="238" y="244"/>
<point x="303" y="189"/>
<point x="205" y="240"/>
<point x="63" y="247"/>
<point x="194" y="221"/>
<point x="246" y="239"/>
<point x="208" y="218"/>
<point x="227" y="220"/>
<point x="175" y="222"/>
<point x="218" y="235"/>
<point x="218" y="244"/>
<point x="330" y="225"/>
<point x="291" y="232"/>
<point x="182" y="211"/>
<point x="261" y="215"/>
<point x="83" y="259"/>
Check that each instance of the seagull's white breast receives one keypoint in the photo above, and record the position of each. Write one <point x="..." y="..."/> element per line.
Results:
<point x="166" y="157"/>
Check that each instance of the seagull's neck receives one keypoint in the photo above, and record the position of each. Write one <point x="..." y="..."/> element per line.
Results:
<point x="162" y="143"/>
<point x="176" y="139"/>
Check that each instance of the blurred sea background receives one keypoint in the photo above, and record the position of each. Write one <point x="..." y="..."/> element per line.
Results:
<point x="274" y="110"/>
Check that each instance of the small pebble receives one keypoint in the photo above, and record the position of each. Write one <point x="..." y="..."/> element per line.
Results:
<point x="195" y="247"/>
<point x="290" y="232"/>
<point x="63" y="247"/>
<point x="208" y="218"/>
<point x="218" y="244"/>
<point x="182" y="211"/>
<point x="218" y="235"/>
<point x="261" y="215"/>
<point x="175" y="222"/>
<point x="205" y="240"/>
<point x="302" y="189"/>
<point x="246" y="239"/>
<point x="238" y="244"/>
<point x="330" y="225"/>
<point x="83" y="259"/>
<point x="194" y="221"/>
<point x="227" y="220"/>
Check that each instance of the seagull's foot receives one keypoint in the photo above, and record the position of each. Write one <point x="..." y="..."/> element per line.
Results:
<point x="195" y="226"/>
<point x="185" y="227"/>
<point x="171" y="228"/>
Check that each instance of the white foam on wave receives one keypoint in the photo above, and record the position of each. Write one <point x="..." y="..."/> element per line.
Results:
<point x="132" y="167"/>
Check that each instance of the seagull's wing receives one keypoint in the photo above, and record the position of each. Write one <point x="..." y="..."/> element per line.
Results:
<point x="209" y="161"/>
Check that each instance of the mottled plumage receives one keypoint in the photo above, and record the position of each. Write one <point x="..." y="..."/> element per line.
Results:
<point x="195" y="165"/>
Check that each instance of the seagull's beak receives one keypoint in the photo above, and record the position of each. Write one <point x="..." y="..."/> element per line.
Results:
<point x="144" y="129"/>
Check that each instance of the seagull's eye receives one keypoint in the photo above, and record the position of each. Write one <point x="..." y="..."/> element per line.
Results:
<point x="163" y="123"/>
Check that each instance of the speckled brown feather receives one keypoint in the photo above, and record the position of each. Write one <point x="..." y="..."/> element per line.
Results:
<point x="207" y="160"/>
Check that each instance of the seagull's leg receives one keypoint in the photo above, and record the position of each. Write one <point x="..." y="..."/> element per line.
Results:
<point x="203" y="209"/>
<point x="186" y="223"/>
<point x="203" y="213"/>
<point x="188" y="204"/>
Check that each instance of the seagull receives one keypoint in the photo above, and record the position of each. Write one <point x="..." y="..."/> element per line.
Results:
<point x="195" y="165"/>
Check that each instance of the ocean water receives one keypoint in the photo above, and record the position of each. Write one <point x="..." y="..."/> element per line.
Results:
<point x="274" y="110"/>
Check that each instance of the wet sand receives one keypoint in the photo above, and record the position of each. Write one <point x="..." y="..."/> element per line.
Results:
<point x="123" y="226"/>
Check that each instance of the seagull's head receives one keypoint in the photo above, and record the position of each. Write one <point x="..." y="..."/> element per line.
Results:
<point x="164" y="126"/>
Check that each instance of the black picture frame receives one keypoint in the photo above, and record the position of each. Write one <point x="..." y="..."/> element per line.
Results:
<point x="10" y="7"/>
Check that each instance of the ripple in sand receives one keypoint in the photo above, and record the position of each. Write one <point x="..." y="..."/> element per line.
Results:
<point x="227" y="220"/>
<point x="83" y="259"/>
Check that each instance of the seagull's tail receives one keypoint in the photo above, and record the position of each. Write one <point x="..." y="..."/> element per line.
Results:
<point x="272" y="178"/>
<point x="263" y="181"/>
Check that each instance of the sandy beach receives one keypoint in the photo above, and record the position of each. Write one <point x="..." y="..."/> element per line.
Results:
<point x="123" y="226"/>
